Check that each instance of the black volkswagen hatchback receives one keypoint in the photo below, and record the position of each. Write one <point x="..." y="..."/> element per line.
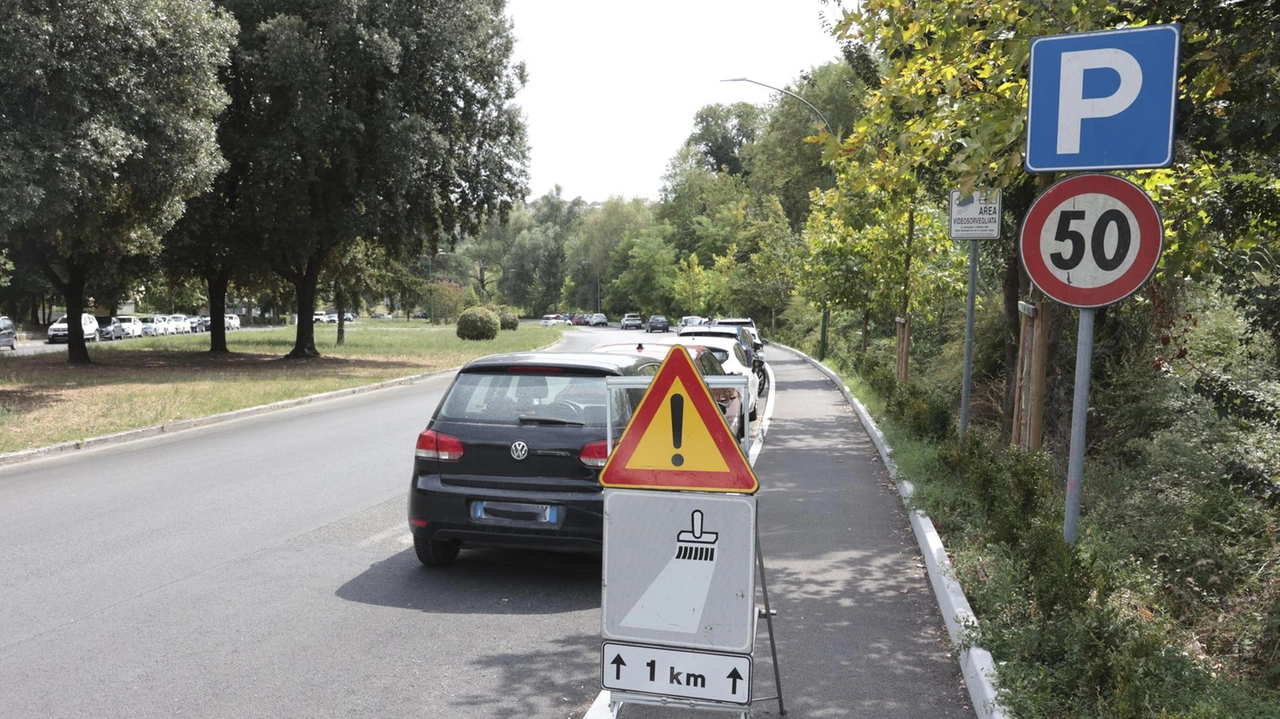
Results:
<point x="513" y="454"/>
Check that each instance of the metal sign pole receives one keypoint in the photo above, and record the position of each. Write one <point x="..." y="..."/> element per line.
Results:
<point x="968" y="340"/>
<point x="1079" y="416"/>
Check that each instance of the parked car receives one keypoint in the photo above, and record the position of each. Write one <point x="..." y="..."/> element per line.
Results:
<point x="689" y="321"/>
<point x="512" y="454"/>
<point x="179" y="325"/>
<point x="319" y="317"/>
<point x="154" y="326"/>
<point x="657" y="323"/>
<point x="381" y="316"/>
<point x="8" y="333"/>
<point x="632" y="321"/>
<point x="109" y="328"/>
<point x="88" y="325"/>
<point x="734" y="359"/>
<point x="232" y="322"/>
<point x="599" y="320"/>
<point x="704" y="358"/>
<point x="549" y="321"/>
<point x="195" y="324"/>
<point x="753" y="346"/>
<point x="132" y="326"/>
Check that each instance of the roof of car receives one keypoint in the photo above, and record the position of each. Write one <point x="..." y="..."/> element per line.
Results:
<point x="710" y="330"/>
<point x="582" y="361"/>
<point x="649" y="349"/>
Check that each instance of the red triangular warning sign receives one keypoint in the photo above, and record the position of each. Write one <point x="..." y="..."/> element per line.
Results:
<point x="678" y="439"/>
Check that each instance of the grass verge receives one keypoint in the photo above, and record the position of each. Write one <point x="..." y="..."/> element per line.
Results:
<point x="151" y="381"/>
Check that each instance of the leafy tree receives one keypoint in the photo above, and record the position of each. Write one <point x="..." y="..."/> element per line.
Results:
<point x="720" y="132"/>
<point x="390" y="121"/>
<point x="692" y="286"/>
<point x="787" y="158"/>
<point x="106" y="128"/>
<point x="646" y="283"/>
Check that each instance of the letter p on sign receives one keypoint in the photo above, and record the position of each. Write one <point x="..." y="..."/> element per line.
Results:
<point x="1103" y="101"/>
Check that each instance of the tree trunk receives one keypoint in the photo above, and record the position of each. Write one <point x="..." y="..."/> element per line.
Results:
<point x="1011" y="343"/>
<point x="304" y="345"/>
<point x="340" y="299"/>
<point x="218" y="311"/>
<point x="72" y="289"/>
<point x="866" y="327"/>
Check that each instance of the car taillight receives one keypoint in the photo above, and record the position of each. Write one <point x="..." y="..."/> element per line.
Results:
<point x="594" y="454"/>
<point x="438" y="445"/>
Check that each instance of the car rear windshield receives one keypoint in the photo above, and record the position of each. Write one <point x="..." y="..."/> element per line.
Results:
<point x="528" y="398"/>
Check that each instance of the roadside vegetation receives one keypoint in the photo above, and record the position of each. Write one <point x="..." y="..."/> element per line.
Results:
<point x="146" y="382"/>
<point x="821" y="213"/>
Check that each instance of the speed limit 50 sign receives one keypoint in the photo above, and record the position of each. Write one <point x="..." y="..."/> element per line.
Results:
<point x="1091" y="240"/>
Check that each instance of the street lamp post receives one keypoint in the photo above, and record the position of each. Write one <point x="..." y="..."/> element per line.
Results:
<point x="822" y="338"/>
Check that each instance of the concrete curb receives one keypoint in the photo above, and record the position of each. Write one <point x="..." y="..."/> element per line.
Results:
<point x="181" y="424"/>
<point x="976" y="663"/>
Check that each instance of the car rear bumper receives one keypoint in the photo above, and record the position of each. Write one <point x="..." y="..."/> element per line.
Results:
<point x="451" y="514"/>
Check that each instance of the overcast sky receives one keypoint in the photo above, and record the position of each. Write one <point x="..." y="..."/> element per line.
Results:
<point x="613" y="86"/>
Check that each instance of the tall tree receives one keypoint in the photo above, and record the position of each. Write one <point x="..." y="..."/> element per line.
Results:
<point x="391" y="121"/>
<point x="106" y="128"/>
<point x="721" y="131"/>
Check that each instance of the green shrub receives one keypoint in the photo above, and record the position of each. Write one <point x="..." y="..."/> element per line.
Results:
<point x="478" y="323"/>
<point x="507" y="318"/>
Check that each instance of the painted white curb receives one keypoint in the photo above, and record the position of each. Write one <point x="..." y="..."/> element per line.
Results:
<point x="976" y="663"/>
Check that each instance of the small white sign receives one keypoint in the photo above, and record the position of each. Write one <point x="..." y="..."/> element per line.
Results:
<point x="682" y="673"/>
<point x="975" y="216"/>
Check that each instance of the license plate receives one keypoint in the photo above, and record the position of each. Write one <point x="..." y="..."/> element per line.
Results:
<point x="514" y="512"/>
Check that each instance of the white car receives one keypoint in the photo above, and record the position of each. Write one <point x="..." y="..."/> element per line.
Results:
<point x="154" y="326"/>
<point x="550" y="320"/>
<point x="179" y="324"/>
<point x="88" y="325"/>
<point x="132" y="326"/>
<point x="232" y="322"/>
<point x="734" y="360"/>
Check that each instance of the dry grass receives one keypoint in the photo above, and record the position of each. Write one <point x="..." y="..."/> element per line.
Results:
<point x="141" y="383"/>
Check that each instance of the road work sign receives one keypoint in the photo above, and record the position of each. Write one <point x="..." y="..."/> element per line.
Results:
<point x="678" y="439"/>
<point x="681" y="673"/>
<point x="679" y="569"/>
<point x="1102" y="100"/>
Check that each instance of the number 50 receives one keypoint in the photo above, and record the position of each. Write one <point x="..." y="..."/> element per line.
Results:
<point x="1097" y="240"/>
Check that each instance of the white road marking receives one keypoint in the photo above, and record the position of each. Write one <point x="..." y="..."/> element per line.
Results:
<point x="386" y="534"/>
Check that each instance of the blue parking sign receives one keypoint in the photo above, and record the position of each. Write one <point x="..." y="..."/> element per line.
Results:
<point x="1103" y="100"/>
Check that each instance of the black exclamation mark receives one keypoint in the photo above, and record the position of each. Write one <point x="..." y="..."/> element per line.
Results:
<point x="677" y="427"/>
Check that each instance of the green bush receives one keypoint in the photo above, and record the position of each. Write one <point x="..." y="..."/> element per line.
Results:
<point x="507" y="318"/>
<point x="478" y="323"/>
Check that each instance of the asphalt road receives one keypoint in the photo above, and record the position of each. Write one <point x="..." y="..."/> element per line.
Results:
<point x="263" y="568"/>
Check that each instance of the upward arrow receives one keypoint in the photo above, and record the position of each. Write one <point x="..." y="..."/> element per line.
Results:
<point x="618" y="664"/>
<point x="735" y="677"/>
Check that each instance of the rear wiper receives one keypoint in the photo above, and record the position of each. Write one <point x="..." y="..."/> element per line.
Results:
<point x="551" y="420"/>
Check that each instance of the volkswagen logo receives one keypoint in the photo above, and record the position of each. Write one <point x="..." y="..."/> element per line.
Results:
<point x="519" y="450"/>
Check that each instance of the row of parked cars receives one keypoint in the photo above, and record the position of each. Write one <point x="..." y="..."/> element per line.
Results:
<point x="596" y="320"/>
<point x="513" y="453"/>
<point x="127" y="326"/>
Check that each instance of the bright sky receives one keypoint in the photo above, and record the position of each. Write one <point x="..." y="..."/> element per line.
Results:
<point x="613" y="86"/>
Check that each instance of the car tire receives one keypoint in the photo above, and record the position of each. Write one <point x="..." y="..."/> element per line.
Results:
<point x="754" y="411"/>
<point x="434" y="552"/>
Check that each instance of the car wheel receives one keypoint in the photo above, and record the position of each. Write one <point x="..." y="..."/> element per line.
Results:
<point x="434" y="552"/>
<point x="752" y="416"/>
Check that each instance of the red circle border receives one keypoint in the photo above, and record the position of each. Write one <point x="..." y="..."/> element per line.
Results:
<point x="1132" y="197"/>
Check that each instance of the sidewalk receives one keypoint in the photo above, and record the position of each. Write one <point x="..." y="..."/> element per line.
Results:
<point x="858" y="628"/>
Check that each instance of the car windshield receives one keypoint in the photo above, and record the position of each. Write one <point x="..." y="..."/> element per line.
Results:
<point x="532" y="399"/>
